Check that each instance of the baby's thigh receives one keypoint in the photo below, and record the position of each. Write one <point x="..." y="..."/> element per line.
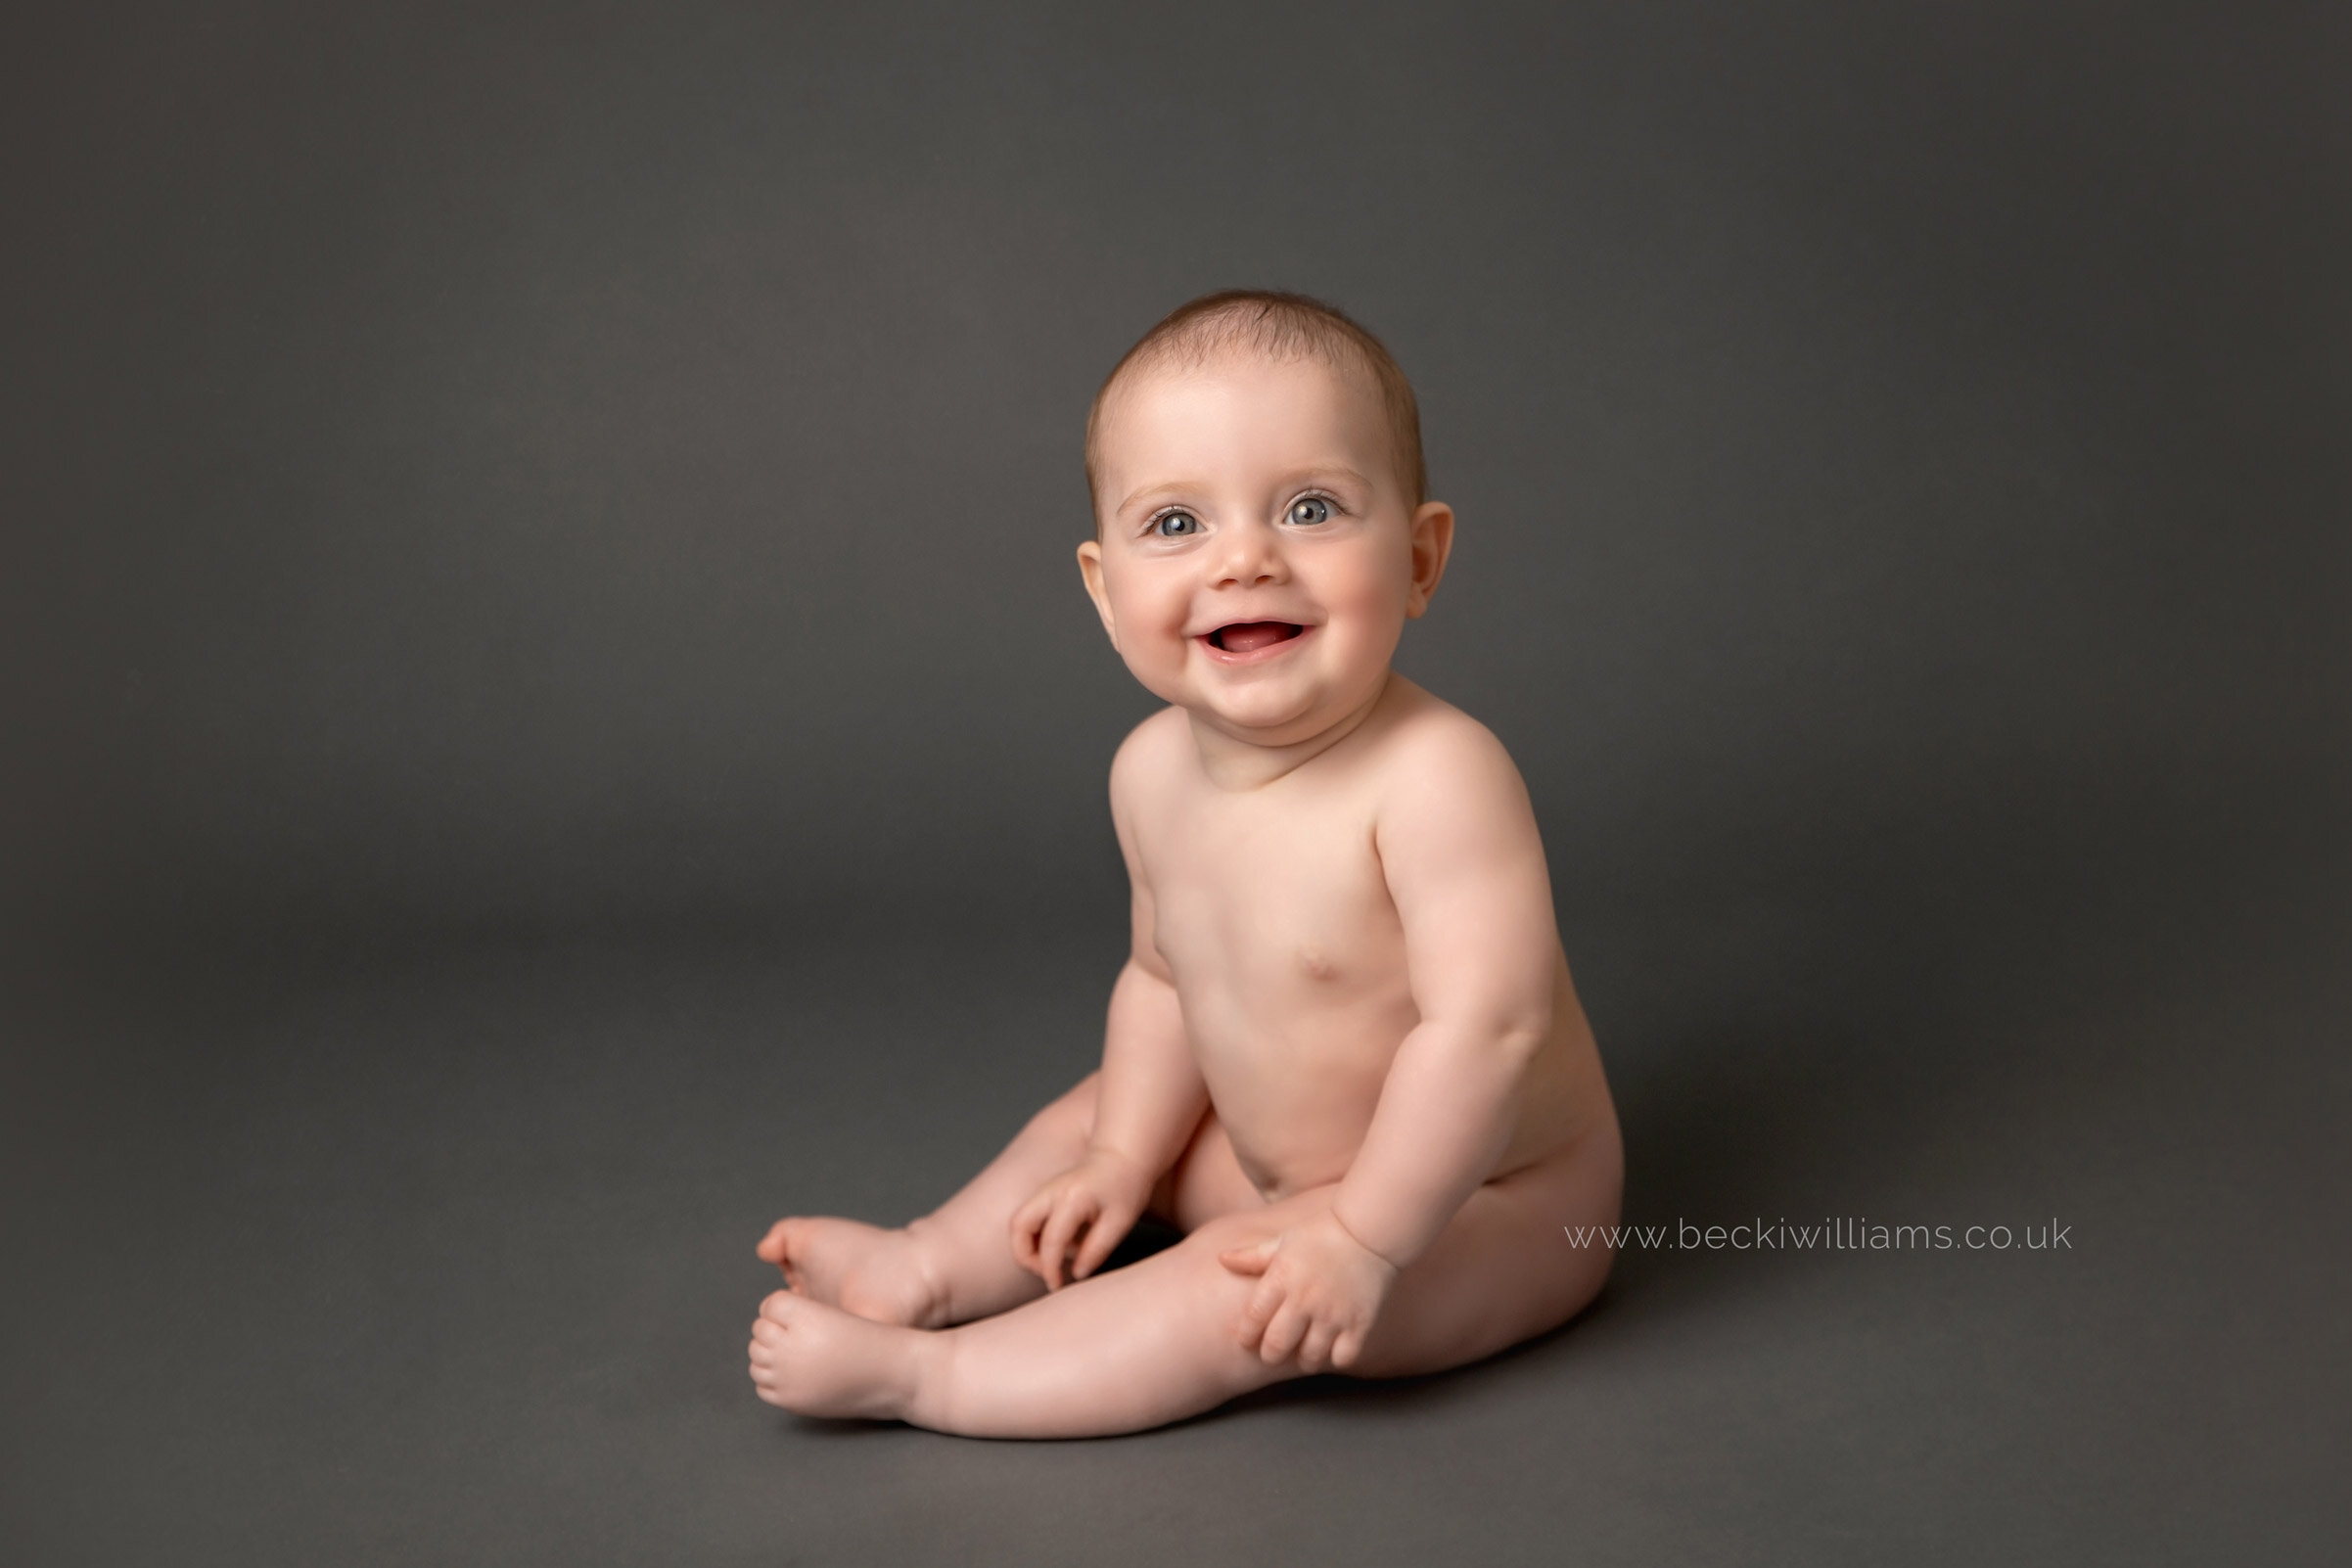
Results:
<point x="1206" y="1183"/>
<point x="1504" y="1269"/>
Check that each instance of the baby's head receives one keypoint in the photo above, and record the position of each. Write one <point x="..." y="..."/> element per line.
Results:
<point x="1261" y="530"/>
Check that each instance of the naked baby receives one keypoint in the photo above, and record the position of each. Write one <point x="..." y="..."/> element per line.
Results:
<point x="1343" y="1056"/>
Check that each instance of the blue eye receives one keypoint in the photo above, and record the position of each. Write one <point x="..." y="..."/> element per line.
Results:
<point x="1308" y="510"/>
<point x="1175" y="525"/>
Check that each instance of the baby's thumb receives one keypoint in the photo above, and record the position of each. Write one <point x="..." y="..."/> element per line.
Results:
<point x="1252" y="1259"/>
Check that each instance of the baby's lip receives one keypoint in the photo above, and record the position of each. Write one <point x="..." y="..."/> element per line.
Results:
<point x="1251" y="640"/>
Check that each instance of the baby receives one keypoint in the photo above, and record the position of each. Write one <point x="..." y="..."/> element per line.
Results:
<point x="1343" y="1056"/>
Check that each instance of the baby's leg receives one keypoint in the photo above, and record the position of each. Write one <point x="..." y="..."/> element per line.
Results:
<point x="1156" y="1341"/>
<point x="1134" y="1348"/>
<point x="956" y="1263"/>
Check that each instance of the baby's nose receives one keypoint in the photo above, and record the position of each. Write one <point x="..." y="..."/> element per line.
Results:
<point x="1251" y="554"/>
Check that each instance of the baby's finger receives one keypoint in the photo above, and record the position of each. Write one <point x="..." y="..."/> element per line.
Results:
<point x="1101" y="1236"/>
<point x="1249" y="1259"/>
<point x="1027" y="1220"/>
<point x="1256" y="1313"/>
<point x="1314" y="1351"/>
<point x="1029" y="1226"/>
<point x="1061" y="1234"/>
<point x="1345" y="1348"/>
<point x="1282" y="1335"/>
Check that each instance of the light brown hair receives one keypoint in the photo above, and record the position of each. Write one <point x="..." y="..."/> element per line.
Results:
<point x="1277" y="326"/>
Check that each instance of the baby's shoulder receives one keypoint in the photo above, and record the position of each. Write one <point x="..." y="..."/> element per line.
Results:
<point x="1434" y="757"/>
<point x="1148" y="756"/>
<point x="1428" y="734"/>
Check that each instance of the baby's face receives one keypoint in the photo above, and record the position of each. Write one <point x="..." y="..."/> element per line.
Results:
<point x="1257" y="557"/>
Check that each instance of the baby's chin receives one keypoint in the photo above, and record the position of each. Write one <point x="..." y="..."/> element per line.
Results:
<point x="1272" y="718"/>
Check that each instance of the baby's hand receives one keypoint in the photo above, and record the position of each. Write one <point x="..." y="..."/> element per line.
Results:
<point x="1085" y="1209"/>
<point x="1319" y="1291"/>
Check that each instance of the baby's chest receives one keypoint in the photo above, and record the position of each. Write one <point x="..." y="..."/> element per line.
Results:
<point x="1271" y="900"/>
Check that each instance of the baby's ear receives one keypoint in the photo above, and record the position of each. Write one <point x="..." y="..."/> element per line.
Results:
<point x="1432" y="544"/>
<point x="1090" y="567"/>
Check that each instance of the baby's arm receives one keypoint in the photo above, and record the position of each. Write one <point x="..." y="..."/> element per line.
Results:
<point x="1148" y="1104"/>
<point x="1462" y="860"/>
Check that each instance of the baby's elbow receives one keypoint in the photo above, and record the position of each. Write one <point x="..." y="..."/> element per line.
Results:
<point x="1518" y="1039"/>
<point x="1491" y="1041"/>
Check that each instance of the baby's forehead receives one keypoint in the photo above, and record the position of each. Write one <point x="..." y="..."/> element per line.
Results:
<point x="1159" y="400"/>
<point x="1262" y="412"/>
<point x="1239" y="361"/>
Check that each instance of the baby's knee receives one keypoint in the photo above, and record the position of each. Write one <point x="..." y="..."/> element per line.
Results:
<point x="1200" y="1255"/>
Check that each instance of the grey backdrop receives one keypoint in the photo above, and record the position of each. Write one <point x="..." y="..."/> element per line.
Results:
<point x="550" y="718"/>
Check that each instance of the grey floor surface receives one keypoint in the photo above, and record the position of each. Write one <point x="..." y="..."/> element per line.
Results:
<point x="439" y="1251"/>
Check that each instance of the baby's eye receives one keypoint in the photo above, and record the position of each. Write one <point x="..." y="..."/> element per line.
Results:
<point x="1310" y="509"/>
<point x="1175" y="525"/>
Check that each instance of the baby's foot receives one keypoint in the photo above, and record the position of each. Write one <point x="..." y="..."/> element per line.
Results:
<point x="875" y="1273"/>
<point x="815" y="1360"/>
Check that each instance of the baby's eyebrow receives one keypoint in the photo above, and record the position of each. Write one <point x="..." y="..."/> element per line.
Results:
<point x="1178" y="488"/>
<point x="1171" y="488"/>
<point x="1341" y="472"/>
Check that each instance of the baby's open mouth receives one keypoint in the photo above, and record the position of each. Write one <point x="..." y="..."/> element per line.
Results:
<point x="1248" y="636"/>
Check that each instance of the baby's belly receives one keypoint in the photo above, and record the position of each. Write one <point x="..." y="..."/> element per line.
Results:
<point x="1295" y="1093"/>
<point x="1295" y="1088"/>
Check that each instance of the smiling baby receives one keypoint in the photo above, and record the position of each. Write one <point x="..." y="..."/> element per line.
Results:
<point x="1343" y="1056"/>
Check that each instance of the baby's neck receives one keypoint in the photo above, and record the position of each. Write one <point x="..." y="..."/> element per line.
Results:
<point x="1236" y="762"/>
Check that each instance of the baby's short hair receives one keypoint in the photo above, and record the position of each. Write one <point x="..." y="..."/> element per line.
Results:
<point x="1277" y="326"/>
